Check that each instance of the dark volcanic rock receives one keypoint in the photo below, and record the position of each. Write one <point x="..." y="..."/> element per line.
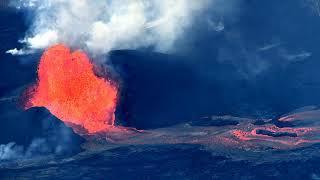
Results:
<point x="24" y="127"/>
<point x="215" y="122"/>
<point x="168" y="162"/>
<point x="260" y="122"/>
<point x="275" y="134"/>
<point x="282" y="124"/>
<point x="160" y="90"/>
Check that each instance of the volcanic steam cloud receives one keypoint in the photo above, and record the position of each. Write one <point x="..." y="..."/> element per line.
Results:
<point x="69" y="89"/>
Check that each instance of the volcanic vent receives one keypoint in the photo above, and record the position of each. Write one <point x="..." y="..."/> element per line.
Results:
<point x="69" y="89"/>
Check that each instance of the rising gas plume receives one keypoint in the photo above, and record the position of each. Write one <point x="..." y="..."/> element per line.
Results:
<point x="100" y="26"/>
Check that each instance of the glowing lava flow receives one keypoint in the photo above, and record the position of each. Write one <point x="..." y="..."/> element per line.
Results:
<point x="69" y="89"/>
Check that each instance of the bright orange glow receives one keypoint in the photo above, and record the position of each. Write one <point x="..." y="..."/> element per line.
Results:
<point x="69" y="89"/>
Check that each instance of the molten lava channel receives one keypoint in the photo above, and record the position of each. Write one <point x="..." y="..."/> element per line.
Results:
<point x="69" y="89"/>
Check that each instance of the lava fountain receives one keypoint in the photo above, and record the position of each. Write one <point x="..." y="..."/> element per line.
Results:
<point x="69" y="89"/>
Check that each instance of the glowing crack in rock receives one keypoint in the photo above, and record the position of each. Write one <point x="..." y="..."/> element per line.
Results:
<point x="69" y="89"/>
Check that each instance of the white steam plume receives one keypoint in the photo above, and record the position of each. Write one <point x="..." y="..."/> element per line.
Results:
<point x="103" y="25"/>
<point x="38" y="147"/>
<point x="58" y="142"/>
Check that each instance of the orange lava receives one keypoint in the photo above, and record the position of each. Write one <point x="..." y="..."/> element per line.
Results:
<point x="69" y="89"/>
<point x="303" y="135"/>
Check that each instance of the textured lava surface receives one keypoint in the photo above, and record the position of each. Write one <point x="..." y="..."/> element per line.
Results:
<point x="69" y="89"/>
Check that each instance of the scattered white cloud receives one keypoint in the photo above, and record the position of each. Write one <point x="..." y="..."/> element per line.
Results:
<point x="18" y="52"/>
<point x="216" y="26"/>
<point x="298" y="57"/>
<point x="269" y="46"/>
<point x="301" y="56"/>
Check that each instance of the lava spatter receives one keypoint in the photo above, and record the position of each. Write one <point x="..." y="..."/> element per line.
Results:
<point x="69" y="89"/>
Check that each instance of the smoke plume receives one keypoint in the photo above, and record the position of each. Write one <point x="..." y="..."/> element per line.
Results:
<point x="58" y="142"/>
<point x="99" y="26"/>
